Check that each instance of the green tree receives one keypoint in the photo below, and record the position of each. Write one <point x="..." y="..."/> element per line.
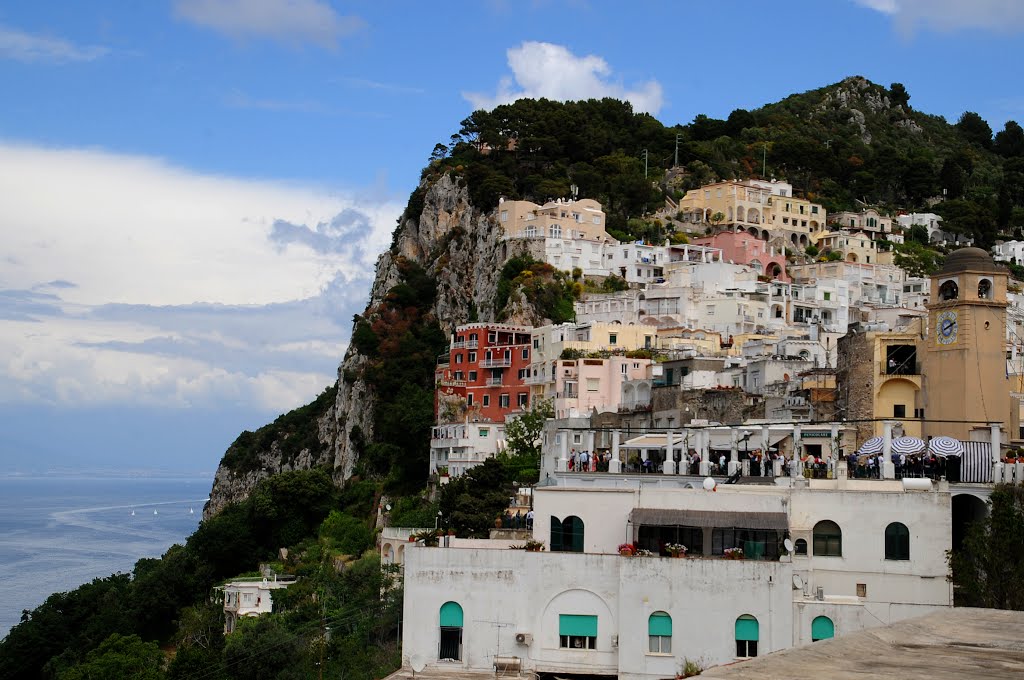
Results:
<point x="988" y="569"/>
<point x="974" y="129"/>
<point x="523" y="434"/>
<point x="348" y="534"/>
<point x="119" y="657"/>
<point x="264" y="649"/>
<point x="899" y="95"/>
<point x="1009" y="141"/>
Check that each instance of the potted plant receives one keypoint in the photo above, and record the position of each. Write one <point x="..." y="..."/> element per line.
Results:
<point x="733" y="553"/>
<point x="626" y="549"/>
<point x="676" y="549"/>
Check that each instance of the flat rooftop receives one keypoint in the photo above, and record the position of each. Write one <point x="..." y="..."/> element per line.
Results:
<point x="959" y="643"/>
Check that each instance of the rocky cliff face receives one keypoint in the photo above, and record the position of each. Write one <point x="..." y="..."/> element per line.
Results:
<point x="463" y="249"/>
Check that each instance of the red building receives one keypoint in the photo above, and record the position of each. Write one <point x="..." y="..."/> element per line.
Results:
<point x="486" y="367"/>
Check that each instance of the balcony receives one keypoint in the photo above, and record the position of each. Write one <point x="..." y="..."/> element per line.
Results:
<point x="465" y="344"/>
<point x="493" y="382"/>
<point x="450" y="382"/>
<point x="567" y="394"/>
<point x="537" y="380"/>
<point x="496" y="363"/>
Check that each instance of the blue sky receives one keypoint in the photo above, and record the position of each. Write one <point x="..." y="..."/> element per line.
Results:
<point x="194" y="192"/>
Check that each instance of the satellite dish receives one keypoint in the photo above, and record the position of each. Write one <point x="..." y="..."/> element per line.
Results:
<point x="709" y="484"/>
<point x="798" y="583"/>
<point x="418" y="663"/>
<point x="788" y="543"/>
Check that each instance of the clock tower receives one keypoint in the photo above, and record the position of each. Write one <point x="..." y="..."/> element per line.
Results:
<point x="965" y="352"/>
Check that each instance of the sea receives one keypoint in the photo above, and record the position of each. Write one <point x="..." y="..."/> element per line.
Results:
<point x="58" y="532"/>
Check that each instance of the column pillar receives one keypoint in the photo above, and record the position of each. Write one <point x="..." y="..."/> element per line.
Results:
<point x="888" y="469"/>
<point x="615" y="465"/>
<point x="734" y="451"/>
<point x="562" y="464"/>
<point x="702" y="449"/>
<point x="995" y="436"/>
<point x="670" y="461"/>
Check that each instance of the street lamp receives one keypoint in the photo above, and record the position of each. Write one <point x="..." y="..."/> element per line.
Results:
<point x="437" y="520"/>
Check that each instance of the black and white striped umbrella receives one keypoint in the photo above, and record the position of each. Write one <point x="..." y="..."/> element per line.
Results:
<point x="871" y="446"/>
<point x="946" y="446"/>
<point x="907" y="445"/>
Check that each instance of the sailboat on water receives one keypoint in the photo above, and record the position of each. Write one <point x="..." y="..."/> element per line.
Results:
<point x="155" y="512"/>
<point x="133" y="512"/>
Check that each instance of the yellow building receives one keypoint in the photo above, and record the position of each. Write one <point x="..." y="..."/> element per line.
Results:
<point x="856" y="246"/>
<point x="763" y="209"/>
<point x="968" y="381"/>
<point x="949" y="378"/>
<point x="563" y="218"/>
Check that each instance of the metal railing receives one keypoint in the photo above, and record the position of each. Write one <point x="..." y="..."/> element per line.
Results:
<point x="496" y="363"/>
<point x="493" y="382"/>
<point x="465" y="344"/>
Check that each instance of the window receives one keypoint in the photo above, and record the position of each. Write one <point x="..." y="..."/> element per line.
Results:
<point x="949" y="291"/>
<point x="577" y="631"/>
<point x="899" y="410"/>
<point x="800" y="547"/>
<point x="985" y="289"/>
<point x="624" y="368"/>
<point x="897" y="542"/>
<point x="487" y="400"/>
<point x="862" y="590"/>
<point x="746" y="636"/>
<point x="828" y="539"/>
<point x="567" y="536"/>
<point x="458" y="358"/>
<point x="485" y="431"/>
<point x="469" y="399"/>
<point x="828" y="295"/>
<point x="822" y="628"/>
<point x="472" y="357"/>
<point x="503" y="401"/>
<point x="523" y="399"/>
<point x="472" y="376"/>
<point x="526" y="354"/>
<point x="451" y="632"/>
<point x="555" y="231"/>
<point x="613" y="338"/>
<point x="659" y="633"/>
<point x="593" y="384"/>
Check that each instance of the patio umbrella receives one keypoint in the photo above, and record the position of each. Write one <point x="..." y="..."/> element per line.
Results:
<point x="871" y="446"/>
<point x="907" y="445"/>
<point x="946" y="446"/>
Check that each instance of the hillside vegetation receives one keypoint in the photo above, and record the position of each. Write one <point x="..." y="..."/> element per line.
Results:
<point x="849" y="142"/>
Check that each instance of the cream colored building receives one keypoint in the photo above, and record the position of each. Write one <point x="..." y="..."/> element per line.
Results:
<point x="856" y="246"/>
<point x="870" y="221"/>
<point x="764" y="209"/>
<point x="559" y="219"/>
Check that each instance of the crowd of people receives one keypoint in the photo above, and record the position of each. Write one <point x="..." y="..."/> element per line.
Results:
<point x="761" y="464"/>
<point x="914" y="465"/>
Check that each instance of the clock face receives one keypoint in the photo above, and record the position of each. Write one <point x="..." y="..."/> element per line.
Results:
<point x="946" y="327"/>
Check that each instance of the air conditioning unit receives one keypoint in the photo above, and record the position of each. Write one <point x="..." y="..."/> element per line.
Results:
<point x="523" y="639"/>
<point x="819" y="594"/>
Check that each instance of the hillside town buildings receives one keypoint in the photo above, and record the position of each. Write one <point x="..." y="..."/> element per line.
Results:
<point x="728" y="443"/>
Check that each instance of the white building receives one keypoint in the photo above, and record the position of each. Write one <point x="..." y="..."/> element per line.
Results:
<point x="250" y="597"/>
<point x="865" y="553"/>
<point x="1008" y="251"/>
<point x="458" y="447"/>
<point x="933" y="223"/>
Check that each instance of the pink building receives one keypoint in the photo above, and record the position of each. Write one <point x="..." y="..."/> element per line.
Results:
<point x="743" y="248"/>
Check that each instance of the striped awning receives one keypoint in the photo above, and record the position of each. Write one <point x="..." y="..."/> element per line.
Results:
<point x="907" y="445"/>
<point x="871" y="446"/>
<point x="976" y="462"/>
<point x="708" y="518"/>
<point x="945" y="446"/>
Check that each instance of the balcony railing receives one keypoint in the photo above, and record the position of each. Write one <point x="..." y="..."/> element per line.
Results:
<point x="496" y="363"/>
<point x="899" y="369"/>
<point x="493" y="382"/>
<point x="567" y="394"/>
<point x="465" y="344"/>
<point x="449" y="382"/>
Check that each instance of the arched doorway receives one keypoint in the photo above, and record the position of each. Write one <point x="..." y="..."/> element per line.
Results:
<point x="967" y="509"/>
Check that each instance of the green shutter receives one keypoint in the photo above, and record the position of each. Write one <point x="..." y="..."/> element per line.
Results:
<point x="822" y="628"/>
<point x="451" y="615"/>
<point x="746" y="628"/>
<point x="577" y="624"/>
<point x="660" y="623"/>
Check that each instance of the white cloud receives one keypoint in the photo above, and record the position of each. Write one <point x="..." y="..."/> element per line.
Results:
<point x="948" y="15"/>
<point x="545" y="70"/>
<point x="130" y="281"/>
<point x="21" y="46"/>
<point x="289" y="21"/>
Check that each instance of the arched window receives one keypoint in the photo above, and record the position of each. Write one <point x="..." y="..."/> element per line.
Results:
<point x="567" y="535"/>
<point x="800" y="547"/>
<point x="828" y="539"/>
<point x="897" y="542"/>
<point x="985" y="289"/>
<point x="949" y="291"/>
<point x="747" y="632"/>
<point x="822" y="628"/>
<point x="659" y="632"/>
<point x="450" y="617"/>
